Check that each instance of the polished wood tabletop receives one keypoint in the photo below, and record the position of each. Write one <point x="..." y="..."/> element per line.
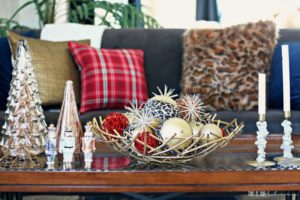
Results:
<point x="222" y="171"/>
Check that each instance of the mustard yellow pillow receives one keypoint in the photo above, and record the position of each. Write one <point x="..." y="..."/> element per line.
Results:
<point x="53" y="65"/>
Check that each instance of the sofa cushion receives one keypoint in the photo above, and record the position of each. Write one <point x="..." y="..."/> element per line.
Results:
<point x="289" y="35"/>
<point x="162" y="53"/>
<point x="6" y="68"/>
<point x="89" y="116"/>
<point x="110" y="78"/>
<point x="274" y="119"/>
<point x="53" y="66"/>
<point x="60" y="32"/>
<point x="275" y="91"/>
<point x="222" y="64"/>
<point x="5" y="71"/>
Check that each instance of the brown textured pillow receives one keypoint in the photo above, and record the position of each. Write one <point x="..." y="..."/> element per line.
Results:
<point x="222" y="64"/>
<point x="53" y="66"/>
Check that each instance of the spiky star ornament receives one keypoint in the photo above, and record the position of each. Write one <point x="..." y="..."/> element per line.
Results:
<point x="139" y="119"/>
<point x="132" y="111"/>
<point x="142" y="129"/>
<point x="191" y="108"/>
<point x="162" y="106"/>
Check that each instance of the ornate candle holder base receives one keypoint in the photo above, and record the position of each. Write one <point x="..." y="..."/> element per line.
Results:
<point x="261" y="144"/>
<point x="281" y="158"/>
<point x="288" y="162"/>
<point x="261" y="164"/>
<point x="287" y="143"/>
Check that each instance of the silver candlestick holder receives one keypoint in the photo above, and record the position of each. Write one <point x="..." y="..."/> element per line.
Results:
<point x="261" y="143"/>
<point x="287" y="159"/>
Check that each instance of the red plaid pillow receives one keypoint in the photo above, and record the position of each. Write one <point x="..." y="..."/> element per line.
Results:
<point x="110" y="78"/>
<point x="114" y="162"/>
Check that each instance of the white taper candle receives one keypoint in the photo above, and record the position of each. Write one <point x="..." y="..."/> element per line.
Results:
<point x="261" y="94"/>
<point x="286" y="78"/>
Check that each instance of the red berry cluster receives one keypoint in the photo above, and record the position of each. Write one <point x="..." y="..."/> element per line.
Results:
<point x="145" y="137"/>
<point x="115" y="121"/>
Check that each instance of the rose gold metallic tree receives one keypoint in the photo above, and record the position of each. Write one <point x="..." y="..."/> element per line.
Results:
<point x="23" y="133"/>
<point x="69" y="117"/>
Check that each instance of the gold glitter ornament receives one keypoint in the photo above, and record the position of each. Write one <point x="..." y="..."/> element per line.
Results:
<point x="196" y="127"/>
<point x="210" y="132"/>
<point x="175" y="131"/>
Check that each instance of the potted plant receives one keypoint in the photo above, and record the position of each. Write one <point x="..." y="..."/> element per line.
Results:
<point x="114" y="14"/>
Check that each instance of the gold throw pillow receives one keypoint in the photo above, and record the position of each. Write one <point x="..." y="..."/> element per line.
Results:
<point x="53" y="65"/>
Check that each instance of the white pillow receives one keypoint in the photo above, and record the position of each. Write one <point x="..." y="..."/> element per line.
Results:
<point x="72" y="31"/>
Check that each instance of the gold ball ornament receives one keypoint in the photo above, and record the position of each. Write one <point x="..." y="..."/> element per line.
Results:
<point x="154" y="123"/>
<point x="178" y="127"/>
<point x="210" y="132"/>
<point x="196" y="127"/>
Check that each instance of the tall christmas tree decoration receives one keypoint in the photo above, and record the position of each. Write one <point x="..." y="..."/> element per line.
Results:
<point x="69" y="118"/>
<point x="24" y="129"/>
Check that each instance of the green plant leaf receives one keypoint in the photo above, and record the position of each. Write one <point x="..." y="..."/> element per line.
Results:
<point x="117" y="15"/>
<point x="39" y="12"/>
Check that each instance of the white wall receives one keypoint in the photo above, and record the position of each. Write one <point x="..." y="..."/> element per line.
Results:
<point x="26" y="17"/>
<point x="236" y="11"/>
<point x="172" y="13"/>
<point x="182" y="13"/>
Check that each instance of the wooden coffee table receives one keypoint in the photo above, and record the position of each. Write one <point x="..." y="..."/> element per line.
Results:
<point x="223" y="171"/>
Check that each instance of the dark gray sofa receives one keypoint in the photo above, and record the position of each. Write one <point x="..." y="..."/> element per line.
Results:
<point x="163" y="58"/>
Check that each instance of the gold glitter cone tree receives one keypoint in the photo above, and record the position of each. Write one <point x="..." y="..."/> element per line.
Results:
<point x="69" y="117"/>
<point x="24" y="129"/>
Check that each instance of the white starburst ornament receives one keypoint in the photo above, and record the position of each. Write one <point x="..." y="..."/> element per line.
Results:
<point x="191" y="108"/>
<point x="141" y="120"/>
<point x="132" y="111"/>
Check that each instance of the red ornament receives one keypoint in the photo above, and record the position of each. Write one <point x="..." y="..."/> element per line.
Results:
<point x="224" y="132"/>
<point x="150" y="141"/>
<point x="115" y="121"/>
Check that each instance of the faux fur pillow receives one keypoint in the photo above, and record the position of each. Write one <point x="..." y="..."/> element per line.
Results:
<point x="222" y="65"/>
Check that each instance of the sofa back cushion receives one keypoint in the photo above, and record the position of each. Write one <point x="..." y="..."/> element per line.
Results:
<point x="53" y="65"/>
<point x="6" y="67"/>
<point x="289" y="35"/>
<point x="162" y="53"/>
<point x="275" y="91"/>
<point x="5" y="71"/>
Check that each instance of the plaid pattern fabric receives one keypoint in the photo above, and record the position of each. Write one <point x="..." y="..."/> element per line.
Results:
<point x="110" y="78"/>
<point x="108" y="163"/>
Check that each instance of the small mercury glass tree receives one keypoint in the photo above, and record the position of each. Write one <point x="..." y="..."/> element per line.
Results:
<point x="24" y="129"/>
